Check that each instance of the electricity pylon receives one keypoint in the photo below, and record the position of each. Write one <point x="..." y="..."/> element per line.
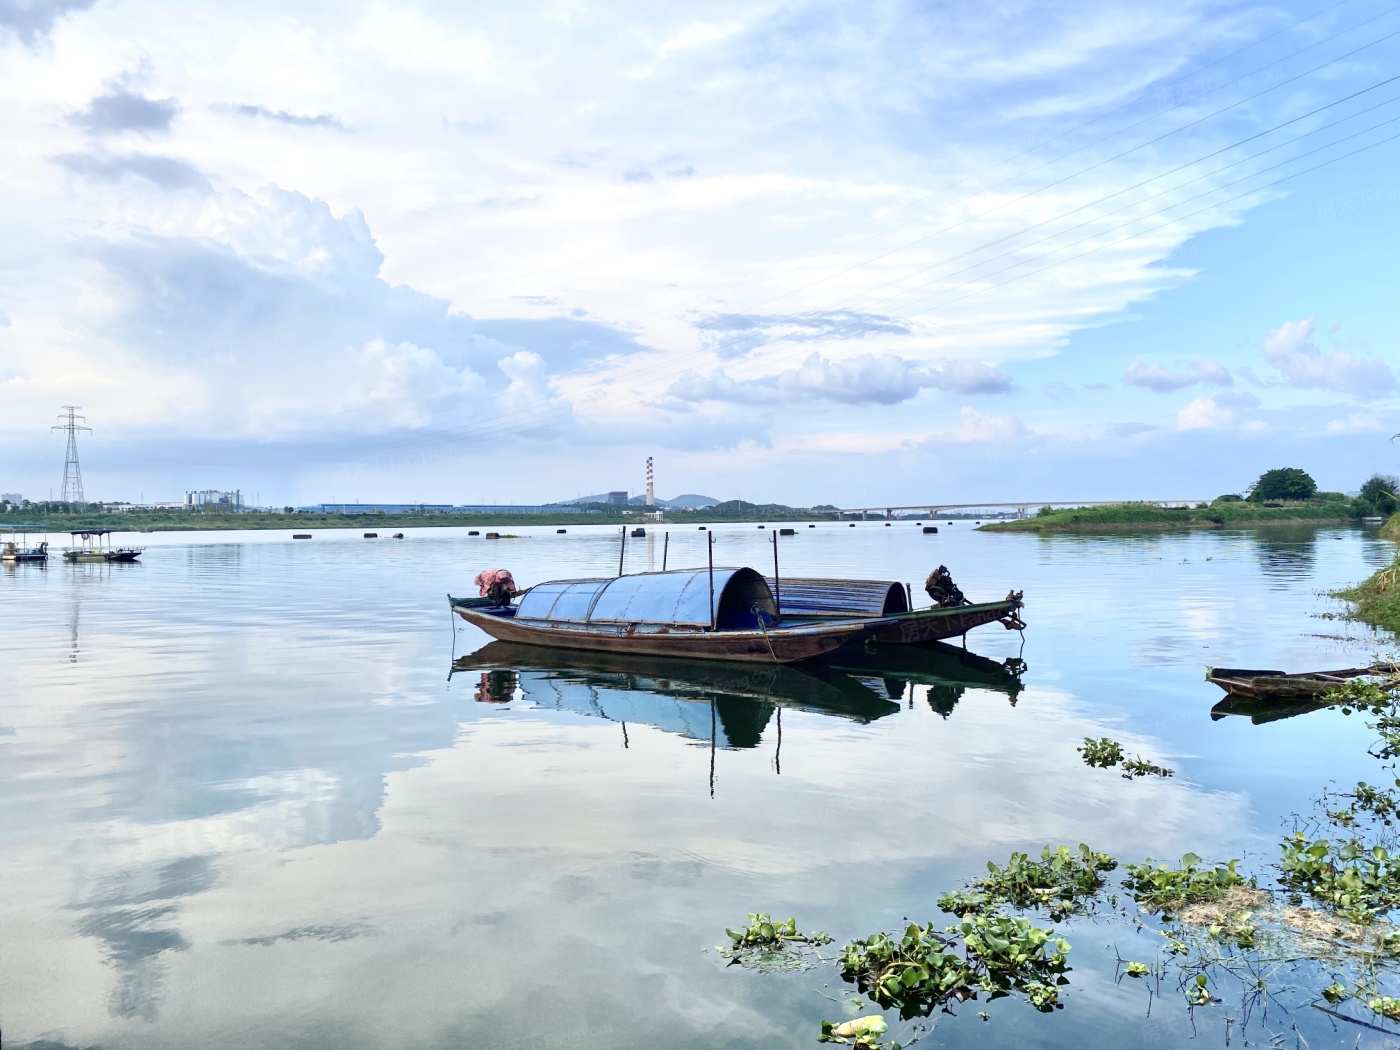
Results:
<point x="72" y="474"/>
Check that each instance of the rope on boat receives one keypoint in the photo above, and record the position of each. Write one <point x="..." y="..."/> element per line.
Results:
<point x="764" y="628"/>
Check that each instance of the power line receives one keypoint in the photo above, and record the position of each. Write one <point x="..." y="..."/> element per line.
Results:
<point x="669" y="364"/>
<point x="487" y="431"/>
<point x="503" y="420"/>
<point x="1252" y="74"/>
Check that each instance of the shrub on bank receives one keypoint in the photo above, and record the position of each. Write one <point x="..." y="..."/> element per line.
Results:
<point x="1283" y="483"/>
<point x="1220" y="512"/>
<point x="1377" y="600"/>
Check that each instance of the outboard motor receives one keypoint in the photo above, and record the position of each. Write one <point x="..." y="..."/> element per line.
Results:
<point x="941" y="588"/>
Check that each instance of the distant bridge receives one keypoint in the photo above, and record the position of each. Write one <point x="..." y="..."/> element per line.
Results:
<point x="934" y="510"/>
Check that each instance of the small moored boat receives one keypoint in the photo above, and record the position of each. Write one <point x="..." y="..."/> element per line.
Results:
<point x="1279" y="685"/>
<point x="719" y="614"/>
<point x="91" y="546"/>
<point x="16" y="549"/>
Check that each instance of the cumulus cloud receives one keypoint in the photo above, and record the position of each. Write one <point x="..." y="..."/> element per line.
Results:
<point x="168" y="173"/>
<point x="527" y="399"/>
<point x="1157" y="377"/>
<point x="865" y="379"/>
<point x="403" y="383"/>
<point x="1291" y="350"/>
<point x="31" y="20"/>
<point x="123" y="110"/>
<point x="1214" y="411"/>
<point x="970" y="377"/>
<point x="283" y="231"/>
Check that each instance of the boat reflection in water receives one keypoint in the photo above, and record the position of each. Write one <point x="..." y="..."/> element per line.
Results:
<point x="731" y="705"/>
<point x="1262" y="711"/>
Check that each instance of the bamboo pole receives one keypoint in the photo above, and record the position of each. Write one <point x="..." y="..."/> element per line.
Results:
<point x="710" y="550"/>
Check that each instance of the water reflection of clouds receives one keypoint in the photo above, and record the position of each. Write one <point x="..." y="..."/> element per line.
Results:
<point x="372" y="858"/>
<point x="134" y="914"/>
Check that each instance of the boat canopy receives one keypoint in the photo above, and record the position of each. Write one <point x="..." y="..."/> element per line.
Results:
<point x="819" y="597"/>
<point x="681" y="597"/>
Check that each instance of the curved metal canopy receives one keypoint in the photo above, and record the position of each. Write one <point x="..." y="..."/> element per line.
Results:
<point x="681" y="597"/>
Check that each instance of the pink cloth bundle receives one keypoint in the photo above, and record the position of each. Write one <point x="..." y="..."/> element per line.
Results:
<point x="488" y="578"/>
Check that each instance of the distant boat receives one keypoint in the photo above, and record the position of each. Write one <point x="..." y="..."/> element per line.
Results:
<point x="91" y="547"/>
<point x="16" y="548"/>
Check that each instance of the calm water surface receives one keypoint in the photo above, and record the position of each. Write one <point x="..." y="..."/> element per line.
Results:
<point x="242" y="804"/>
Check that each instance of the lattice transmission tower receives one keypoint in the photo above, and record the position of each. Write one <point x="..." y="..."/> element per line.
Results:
<point x="71" y="423"/>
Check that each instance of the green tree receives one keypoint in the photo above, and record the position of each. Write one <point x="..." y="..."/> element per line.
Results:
<point x="1283" y="483"/>
<point x="1379" y="494"/>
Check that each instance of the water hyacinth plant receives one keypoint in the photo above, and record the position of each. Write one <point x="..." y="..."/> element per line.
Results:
<point x="1217" y="925"/>
<point x="1162" y="888"/>
<point x="1059" y="882"/>
<point x="1102" y="753"/>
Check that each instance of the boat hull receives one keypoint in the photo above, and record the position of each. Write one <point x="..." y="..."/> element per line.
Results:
<point x="1276" y="685"/>
<point x="783" y="645"/>
<point x="936" y="624"/>
<point x="101" y="556"/>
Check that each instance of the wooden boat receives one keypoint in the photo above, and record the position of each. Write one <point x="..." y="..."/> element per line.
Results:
<point x="90" y="548"/>
<point x="1279" y="685"/>
<point x="885" y="604"/>
<point x="16" y="549"/>
<point x="699" y="614"/>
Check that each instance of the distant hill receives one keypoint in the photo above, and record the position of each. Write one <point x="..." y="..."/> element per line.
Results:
<point x="686" y="501"/>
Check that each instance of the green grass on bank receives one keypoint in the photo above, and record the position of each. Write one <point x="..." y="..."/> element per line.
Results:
<point x="1376" y="600"/>
<point x="1221" y="513"/>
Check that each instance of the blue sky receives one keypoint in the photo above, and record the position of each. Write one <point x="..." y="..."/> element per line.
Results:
<point x="799" y="251"/>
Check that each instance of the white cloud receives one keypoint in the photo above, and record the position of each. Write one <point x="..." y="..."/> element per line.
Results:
<point x="1357" y="423"/>
<point x="867" y="379"/>
<point x="282" y="231"/>
<point x="528" y="394"/>
<point x="970" y="377"/>
<point x="1216" y="411"/>
<point x="1157" y="377"/>
<point x="864" y="379"/>
<point x="981" y="428"/>
<point x="404" y="382"/>
<point x="1291" y="350"/>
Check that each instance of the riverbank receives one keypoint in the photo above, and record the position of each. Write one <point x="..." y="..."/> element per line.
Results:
<point x="186" y="521"/>
<point x="203" y="521"/>
<point x="1376" y="600"/>
<point x="1127" y="517"/>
